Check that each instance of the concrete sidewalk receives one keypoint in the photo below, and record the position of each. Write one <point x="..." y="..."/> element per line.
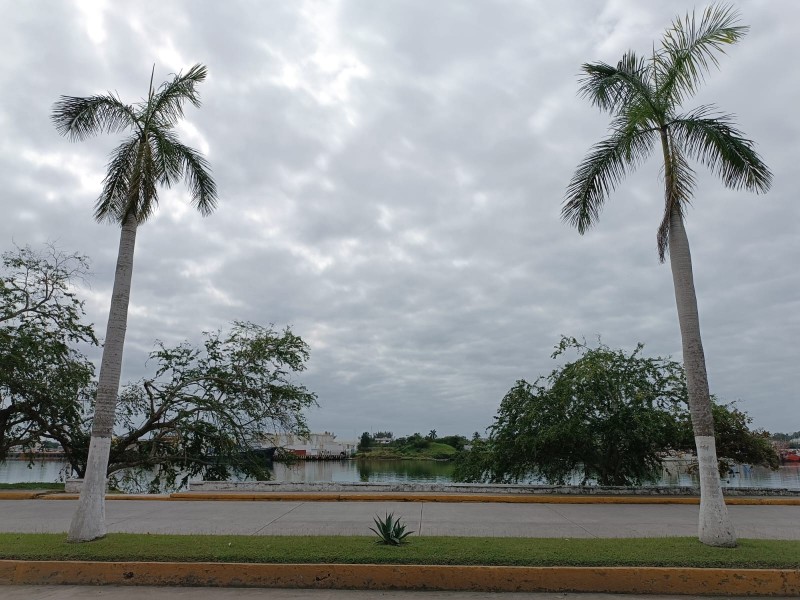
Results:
<point x="429" y="519"/>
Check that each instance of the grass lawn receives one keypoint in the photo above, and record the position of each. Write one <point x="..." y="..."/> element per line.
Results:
<point x="32" y="485"/>
<point x="686" y="552"/>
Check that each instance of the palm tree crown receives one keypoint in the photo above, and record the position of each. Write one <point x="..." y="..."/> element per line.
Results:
<point x="644" y="96"/>
<point x="150" y="156"/>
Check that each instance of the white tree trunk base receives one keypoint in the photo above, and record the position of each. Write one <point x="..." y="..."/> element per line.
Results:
<point x="716" y="528"/>
<point x="89" y="520"/>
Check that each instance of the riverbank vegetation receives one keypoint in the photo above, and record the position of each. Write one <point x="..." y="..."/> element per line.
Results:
<point x="383" y="445"/>
<point x="659" y="552"/>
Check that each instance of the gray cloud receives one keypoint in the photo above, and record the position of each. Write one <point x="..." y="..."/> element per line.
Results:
<point x="390" y="180"/>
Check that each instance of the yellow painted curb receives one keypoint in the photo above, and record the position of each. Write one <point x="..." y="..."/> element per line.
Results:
<point x="496" y="498"/>
<point x="767" y="500"/>
<point x="149" y="497"/>
<point x="620" y="580"/>
<point x="19" y="495"/>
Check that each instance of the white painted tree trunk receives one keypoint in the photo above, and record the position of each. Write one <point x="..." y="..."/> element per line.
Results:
<point x="89" y="521"/>
<point x="715" y="527"/>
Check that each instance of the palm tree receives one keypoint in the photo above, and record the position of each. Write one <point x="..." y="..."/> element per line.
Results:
<point x="644" y="97"/>
<point x="151" y="156"/>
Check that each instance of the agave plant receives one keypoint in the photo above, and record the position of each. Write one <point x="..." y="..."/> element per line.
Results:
<point x="390" y="531"/>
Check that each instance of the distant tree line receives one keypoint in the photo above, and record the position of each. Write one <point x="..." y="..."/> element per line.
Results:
<point x="787" y="438"/>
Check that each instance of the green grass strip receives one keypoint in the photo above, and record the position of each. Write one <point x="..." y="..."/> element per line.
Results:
<point x="662" y="552"/>
<point x="32" y="485"/>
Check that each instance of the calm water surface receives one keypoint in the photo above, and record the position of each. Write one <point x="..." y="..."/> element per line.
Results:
<point x="411" y="471"/>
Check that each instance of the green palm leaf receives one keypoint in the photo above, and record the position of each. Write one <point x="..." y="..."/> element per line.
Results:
<point x="117" y="182"/>
<point x="80" y="118"/>
<point x="718" y="144"/>
<point x="166" y="105"/>
<point x="689" y="50"/>
<point x="602" y="170"/>
<point x="614" y="88"/>
<point x="196" y="170"/>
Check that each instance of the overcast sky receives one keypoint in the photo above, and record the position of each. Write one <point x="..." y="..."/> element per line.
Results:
<point x="390" y="179"/>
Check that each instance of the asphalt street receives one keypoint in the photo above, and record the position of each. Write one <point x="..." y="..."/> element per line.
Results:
<point x="424" y="518"/>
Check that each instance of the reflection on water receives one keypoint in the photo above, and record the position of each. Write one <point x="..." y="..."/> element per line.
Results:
<point x="377" y="471"/>
<point x="787" y="476"/>
<point x="17" y="471"/>
<point x="415" y="471"/>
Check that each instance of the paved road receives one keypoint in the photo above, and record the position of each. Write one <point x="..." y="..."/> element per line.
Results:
<point x="156" y="593"/>
<point x="425" y="518"/>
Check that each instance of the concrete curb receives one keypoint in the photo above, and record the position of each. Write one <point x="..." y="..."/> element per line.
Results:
<point x="410" y="497"/>
<point x="20" y="495"/>
<point x="620" y="580"/>
<point x="282" y="487"/>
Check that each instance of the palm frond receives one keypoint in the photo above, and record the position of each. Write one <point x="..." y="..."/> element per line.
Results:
<point x="119" y="172"/>
<point x="201" y="185"/>
<point x="612" y="88"/>
<point x="714" y="141"/>
<point x="167" y="154"/>
<point x="166" y="106"/>
<point x="680" y="181"/>
<point x="689" y="50"/>
<point x="602" y="170"/>
<point x="143" y="197"/>
<point x="130" y="189"/>
<point x="80" y="118"/>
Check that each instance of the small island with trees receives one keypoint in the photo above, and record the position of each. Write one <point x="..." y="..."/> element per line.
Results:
<point x="383" y="445"/>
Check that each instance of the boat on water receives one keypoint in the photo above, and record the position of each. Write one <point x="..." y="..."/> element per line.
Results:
<point x="790" y="456"/>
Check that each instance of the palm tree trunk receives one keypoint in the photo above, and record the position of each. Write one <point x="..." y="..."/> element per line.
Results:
<point x="715" y="528"/>
<point x="89" y="521"/>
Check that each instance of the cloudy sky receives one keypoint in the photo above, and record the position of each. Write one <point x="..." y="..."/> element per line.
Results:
<point x="390" y="178"/>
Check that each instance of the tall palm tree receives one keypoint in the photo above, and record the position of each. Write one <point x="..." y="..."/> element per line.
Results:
<point x="151" y="156"/>
<point x="644" y="97"/>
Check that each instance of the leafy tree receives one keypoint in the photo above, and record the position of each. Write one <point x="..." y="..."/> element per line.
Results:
<point x="151" y="156"/>
<point x="644" y="96"/>
<point x="205" y="408"/>
<point x="416" y="442"/>
<point x="43" y="376"/>
<point x="365" y="442"/>
<point x="607" y="414"/>
<point x="736" y="442"/>
<point x="456" y="441"/>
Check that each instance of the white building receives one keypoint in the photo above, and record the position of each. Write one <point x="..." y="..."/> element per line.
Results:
<point x="315" y="445"/>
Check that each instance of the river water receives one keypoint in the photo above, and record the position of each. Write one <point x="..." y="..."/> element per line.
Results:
<point x="416" y="471"/>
